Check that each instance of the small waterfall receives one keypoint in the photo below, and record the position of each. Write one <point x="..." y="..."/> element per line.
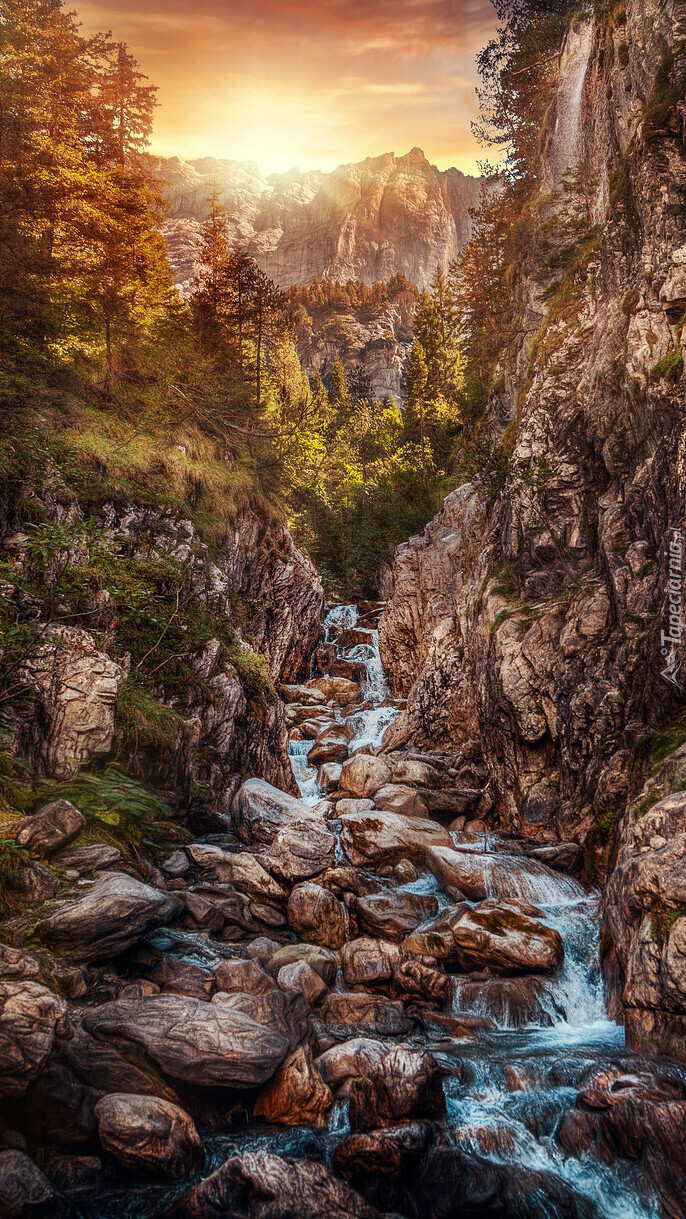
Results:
<point x="304" y="774"/>
<point x="566" y="145"/>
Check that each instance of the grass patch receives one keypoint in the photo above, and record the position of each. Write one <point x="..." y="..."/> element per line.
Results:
<point x="662" y="919"/>
<point x="145" y="723"/>
<point x="607" y="821"/>
<point x="660" y="743"/>
<point x="117" y="809"/>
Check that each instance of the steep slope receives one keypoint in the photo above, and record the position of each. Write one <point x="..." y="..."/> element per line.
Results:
<point x="534" y="621"/>
<point x="362" y="221"/>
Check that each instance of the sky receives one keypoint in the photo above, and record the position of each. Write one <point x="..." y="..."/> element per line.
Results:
<point x="306" y="83"/>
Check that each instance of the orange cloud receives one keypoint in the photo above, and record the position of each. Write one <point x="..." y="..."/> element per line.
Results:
<point x="307" y="82"/>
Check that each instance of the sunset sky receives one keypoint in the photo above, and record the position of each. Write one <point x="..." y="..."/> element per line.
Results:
<point x="312" y="83"/>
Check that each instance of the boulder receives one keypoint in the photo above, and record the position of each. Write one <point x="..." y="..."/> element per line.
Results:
<point x="337" y="690"/>
<point x="374" y="838"/>
<point x="30" y="1018"/>
<point x="566" y="856"/>
<point x="259" y="811"/>
<point x="317" y="916"/>
<point x="24" y="1191"/>
<point x="416" y="774"/>
<point x="284" y="1012"/>
<point x="364" y="774"/>
<point x="394" y="915"/>
<point x="146" y="1134"/>
<point x="345" y="1012"/>
<point x="412" y="977"/>
<point x="501" y="939"/>
<point x="328" y="776"/>
<point x="331" y="745"/>
<point x="510" y="1002"/>
<point x="53" y="826"/>
<point x="109" y="918"/>
<point x="300" y="976"/>
<point x="351" y="1059"/>
<point x="301" y="850"/>
<point x="244" y="977"/>
<point x="369" y="962"/>
<point x="406" y="1083"/>
<point x="297" y="1095"/>
<point x="400" y="798"/>
<point x="459" y="873"/>
<point x="308" y="695"/>
<point x="240" y="869"/>
<point x="93" y="858"/>
<point x="34" y="881"/>
<point x="199" y="1043"/>
<point x="382" y="1155"/>
<point x="345" y="806"/>
<point x="260" y="1185"/>
<point x="321" y="960"/>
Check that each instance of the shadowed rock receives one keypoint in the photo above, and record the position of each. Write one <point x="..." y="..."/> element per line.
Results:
<point x="147" y="1134"/>
<point x="110" y="918"/>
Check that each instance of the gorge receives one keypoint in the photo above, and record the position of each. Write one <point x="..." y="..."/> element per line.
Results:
<point x="315" y="905"/>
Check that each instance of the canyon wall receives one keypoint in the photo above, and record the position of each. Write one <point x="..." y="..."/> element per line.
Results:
<point x="362" y="221"/>
<point x="531" y="621"/>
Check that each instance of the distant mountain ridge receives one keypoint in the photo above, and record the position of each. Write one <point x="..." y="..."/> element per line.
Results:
<point x="361" y="221"/>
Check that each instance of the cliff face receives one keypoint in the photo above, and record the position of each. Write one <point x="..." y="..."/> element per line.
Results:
<point x="362" y="221"/>
<point x="258" y="589"/>
<point x="534" y="622"/>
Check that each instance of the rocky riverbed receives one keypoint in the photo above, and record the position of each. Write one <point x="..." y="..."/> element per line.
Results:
<point x="355" y="1002"/>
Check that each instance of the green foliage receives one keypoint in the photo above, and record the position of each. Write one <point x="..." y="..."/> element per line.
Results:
<point x="117" y="809"/>
<point x="669" y="368"/>
<point x="11" y="858"/>
<point x="662" y="919"/>
<point x="659" y="743"/>
<point x="145" y="723"/>
<point x="606" y="823"/>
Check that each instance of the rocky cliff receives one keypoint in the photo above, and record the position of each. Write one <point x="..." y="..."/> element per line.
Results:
<point x="534" y="621"/>
<point x="362" y="221"/>
<point x="248" y="618"/>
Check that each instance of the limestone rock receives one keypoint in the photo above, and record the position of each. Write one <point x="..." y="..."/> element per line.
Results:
<point x="146" y="1134"/>
<point x="77" y="686"/>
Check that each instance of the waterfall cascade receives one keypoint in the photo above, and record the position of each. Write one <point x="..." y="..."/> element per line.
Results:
<point x="566" y="145"/>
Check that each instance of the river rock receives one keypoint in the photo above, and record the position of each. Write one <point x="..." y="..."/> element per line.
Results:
<point x="347" y="1012"/>
<point x="301" y="850"/>
<point x="416" y="774"/>
<point x="199" y="1043"/>
<point x="317" y="916"/>
<point x="328" y="776"/>
<point x="337" y="690"/>
<point x="381" y="1155"/>
<point x="53" y="826"/>
<point x="400" y="798"/>
<point x="259" y="811"/>
<point x="375" y="838"/>
<point x="146" y="1134"/>
<point x="350" y="1059"/>
<point x="245" y="977"/>
<point x="301" y="977"/>
<point x="241" y="870"/>
<point x="510" y="1002"/>
<point x="24" y="1191"/>
<point x="297" y="1095"/>
<point x="109" y="918"/>
<point x="412" y="977"/>
<point x="31" y="1016"/>
<point x="364" y="774"/>
<point x="345" y="806"/>
<point x="459" y="873"/>
<point x="369" y="962"/>
<point x="331" y="745"/>
<point x="321" y="960"/>
<point x="284" y="1012"/>
<point x="393" y="915"/>
<point x="502" y="940"/>
<point x="406" y="1083"/>
<point x="260" y="1185"/>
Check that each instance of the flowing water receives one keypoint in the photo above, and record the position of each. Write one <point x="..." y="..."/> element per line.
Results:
<point x="509" y="1086"/>
<point x="566" y="149"/>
